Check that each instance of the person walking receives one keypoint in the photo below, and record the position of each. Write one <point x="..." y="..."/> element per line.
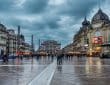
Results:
<point x="5" y="58"/>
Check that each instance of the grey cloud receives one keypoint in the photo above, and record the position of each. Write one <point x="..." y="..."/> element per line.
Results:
<point x="6" y="5"/>
<point x="52" y="25"/>
<point x="48" y="27"/>
<point x="35" y="6"/>
<point x="78" y="8"/>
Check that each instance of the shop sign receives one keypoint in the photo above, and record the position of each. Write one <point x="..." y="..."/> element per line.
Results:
<point x="97" y="40"/>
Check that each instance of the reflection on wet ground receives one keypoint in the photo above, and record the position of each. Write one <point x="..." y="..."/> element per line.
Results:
<point x="82" y="71"/>
<point x="21" y="72"/>
<point x="69" y="71"/>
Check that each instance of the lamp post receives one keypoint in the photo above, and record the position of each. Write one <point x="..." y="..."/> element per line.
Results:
<point x="32" y="44"/>
<point x="8" y="45"/>
<point x="90" y="43"/>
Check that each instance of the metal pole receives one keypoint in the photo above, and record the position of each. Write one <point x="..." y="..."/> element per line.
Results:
<point x="32" y="43"/>
<point x="7" y="45"/>
<point x="39" y="45"/>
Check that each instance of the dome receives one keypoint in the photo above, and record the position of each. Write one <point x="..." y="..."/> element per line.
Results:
<point x="85" y="22"/>
<point x="100" y="16"/>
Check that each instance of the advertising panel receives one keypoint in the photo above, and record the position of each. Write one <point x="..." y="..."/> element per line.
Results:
<point x="97" y="40"/>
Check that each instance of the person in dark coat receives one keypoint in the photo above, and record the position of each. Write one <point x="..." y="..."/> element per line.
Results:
<point x="59" y="59"/>
<point x="5" y="58"/>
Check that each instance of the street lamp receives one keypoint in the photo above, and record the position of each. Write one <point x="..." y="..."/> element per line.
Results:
<point x="90" y="43"/>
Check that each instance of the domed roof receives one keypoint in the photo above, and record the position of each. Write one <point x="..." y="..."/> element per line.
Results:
<point x="85" y="22"/>
<point x="100" y="16"/>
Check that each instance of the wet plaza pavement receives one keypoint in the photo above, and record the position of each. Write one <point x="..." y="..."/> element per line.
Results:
<point x="69" y="71"/>
<point x="82" y="71"/>
<point x="21" y="72"/>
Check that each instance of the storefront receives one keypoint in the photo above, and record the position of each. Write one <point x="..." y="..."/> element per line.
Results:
<point x="96" y="48"/>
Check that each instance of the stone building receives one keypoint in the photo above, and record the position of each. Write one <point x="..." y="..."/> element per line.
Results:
<point x="12" y="43"/>
<point x="28" y="49"/>
<point x="3" y="38"/>
<point x="81" y="38"/>
<point x="20" y="44"/>
<point x="68" y="49"/>
<point x="17" y="45"/>
<point x="93" y="34"/>
<point x="101" y="30"/>
<point x="51" y="47"/>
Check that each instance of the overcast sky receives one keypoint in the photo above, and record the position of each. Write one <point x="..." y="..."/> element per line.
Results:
<point x="49" y="19"/>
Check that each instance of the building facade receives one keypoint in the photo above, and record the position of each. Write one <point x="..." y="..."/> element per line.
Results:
<point x="68" y="49"/>
<point x="3" y="38"/>
<point x="12" y="42"/>
<point x="92" y="35"/>
<point x="28" y="49"/>
<point x="50" y="47"/>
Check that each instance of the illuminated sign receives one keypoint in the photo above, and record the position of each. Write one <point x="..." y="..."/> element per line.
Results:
<point x="97" y="40"/>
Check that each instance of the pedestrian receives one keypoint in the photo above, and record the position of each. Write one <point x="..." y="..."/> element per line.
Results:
<point x="5" y="58"/>
<point x="21" y="57"/>
<point x="59" y="59"/>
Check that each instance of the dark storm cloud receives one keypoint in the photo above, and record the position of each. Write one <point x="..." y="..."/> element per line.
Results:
<point x="79" y="8"/>
<point x="59" y="19"/>
<point x="6" y="5"/>
<point x="52" y="25"/>
<point x="35" y="6"/>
